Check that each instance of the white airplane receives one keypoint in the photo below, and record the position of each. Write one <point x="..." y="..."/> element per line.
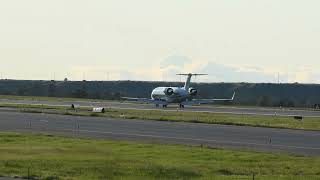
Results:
<point x="178" y="95"/>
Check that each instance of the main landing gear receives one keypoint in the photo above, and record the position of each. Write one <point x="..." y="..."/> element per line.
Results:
<point x="181" y="105"/>
<point x="163" y="105"/>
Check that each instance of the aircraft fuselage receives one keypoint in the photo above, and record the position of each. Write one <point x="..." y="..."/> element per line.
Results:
<point x="170" y="94"/>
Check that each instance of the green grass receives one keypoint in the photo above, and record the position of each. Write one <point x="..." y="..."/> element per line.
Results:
<point x="44" y="98"/>
<point x="32" y="106"/>
<point x="217" y="118"/>
<point x="178" y="116"/>
<point x="52" y="157"/>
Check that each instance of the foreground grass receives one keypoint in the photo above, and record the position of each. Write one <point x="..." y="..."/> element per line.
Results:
<point x="179" y="116"/>
<point x="49" y="157"/>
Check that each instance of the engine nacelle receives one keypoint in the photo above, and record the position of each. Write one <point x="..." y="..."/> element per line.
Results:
<point x="168" y="91"/>
<point x="193" y="91"/>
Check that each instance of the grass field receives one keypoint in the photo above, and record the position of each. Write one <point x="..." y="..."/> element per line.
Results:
<point x="44" y="98"/>
<point x="51" y="157"/>
<point x="178" y="116"/>
<point x="217" y="118"/>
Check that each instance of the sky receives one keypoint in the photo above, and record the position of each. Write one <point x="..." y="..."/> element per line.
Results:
<point x="232" y="40"/>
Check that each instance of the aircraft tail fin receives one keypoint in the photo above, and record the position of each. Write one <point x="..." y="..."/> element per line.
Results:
<point x="189" y="75"/>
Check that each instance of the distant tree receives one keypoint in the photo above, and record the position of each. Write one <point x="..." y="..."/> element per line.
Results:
<point x="116" y="96"/>
<point x="262" y="94"/>
<point x="79" y="93"/>
<point x="52" y="89"/>
<point x="265" y="101"/>
<point x="96" y="95"/>
<point x="36" y="88"/>
<point x="286" y="103"/>
<point x="22" y="91"/>
<point x="83" y="92"/>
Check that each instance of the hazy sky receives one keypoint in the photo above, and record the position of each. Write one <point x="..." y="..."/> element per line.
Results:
<point x="232" y="40"/>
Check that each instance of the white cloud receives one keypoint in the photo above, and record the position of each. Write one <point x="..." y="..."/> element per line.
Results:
<point x="244" y="73"/>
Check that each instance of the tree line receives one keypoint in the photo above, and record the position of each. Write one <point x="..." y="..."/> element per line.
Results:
<point x="253" y="94"/>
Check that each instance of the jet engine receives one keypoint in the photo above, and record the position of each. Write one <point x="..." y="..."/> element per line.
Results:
<point x="193" y="91"/>
<point x="168" y="91"/>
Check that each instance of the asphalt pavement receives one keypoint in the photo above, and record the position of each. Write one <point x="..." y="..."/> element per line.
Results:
<point x="218" y="136"/>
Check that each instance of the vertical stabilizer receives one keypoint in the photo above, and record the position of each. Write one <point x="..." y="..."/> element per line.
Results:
<point x="188" y="81"/>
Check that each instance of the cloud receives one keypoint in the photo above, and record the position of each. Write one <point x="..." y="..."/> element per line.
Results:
<point x="114" y="73"/>
<point x="304" y="75"/>
<point x="176" y="61"/>
<point x="256" y="74"/>
<point x="173" y="65"/>
<point x="225" y="73"/>
<point x="218" y="72"/>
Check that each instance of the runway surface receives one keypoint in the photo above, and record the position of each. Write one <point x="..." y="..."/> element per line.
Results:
<point x="212" y="109"/>
<point x="234" y="137"/>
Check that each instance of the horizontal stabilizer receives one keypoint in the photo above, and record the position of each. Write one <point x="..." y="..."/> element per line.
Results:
<point x="191" y="74"/>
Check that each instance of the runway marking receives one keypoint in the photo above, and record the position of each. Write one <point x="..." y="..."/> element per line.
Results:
<point x="192" y="139"/>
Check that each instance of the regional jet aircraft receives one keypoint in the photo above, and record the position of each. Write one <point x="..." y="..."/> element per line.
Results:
<point x="179" y="95"/>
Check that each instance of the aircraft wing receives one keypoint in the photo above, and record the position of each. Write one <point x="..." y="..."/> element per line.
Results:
<point x="144" y="100"/>
<point x="207" y="101"/>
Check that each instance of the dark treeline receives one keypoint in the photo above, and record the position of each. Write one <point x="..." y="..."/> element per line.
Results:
<point x="262" y="94"/>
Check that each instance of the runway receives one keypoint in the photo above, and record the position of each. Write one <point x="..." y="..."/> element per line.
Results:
<point x="217" y="136"/>
<point x="211" y="109"/>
